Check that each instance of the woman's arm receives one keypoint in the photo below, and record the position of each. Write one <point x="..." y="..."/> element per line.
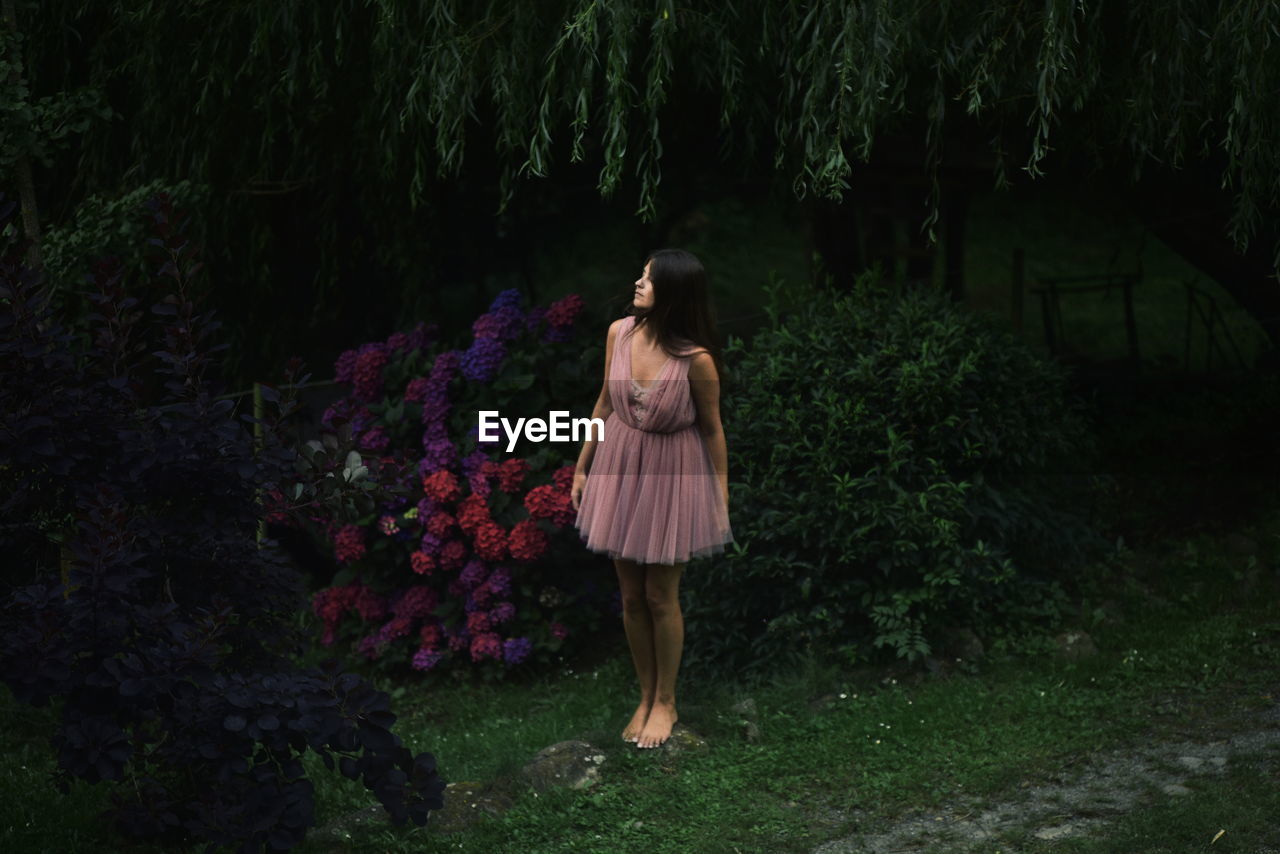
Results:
<point x="603" y="409"/>
<point x="704" y="385"/>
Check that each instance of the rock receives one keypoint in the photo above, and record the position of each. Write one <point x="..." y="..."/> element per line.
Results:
<point x="1055" y="832"/>
<point x="1192" y="762"/>
<point x="1175" y="789"/>
<point x="746" y="708"/>
<point x="821" y="702"/>
<point x="336" y="835"/>
<point x="1112" y="613"/>
<point x="1241" y="544"/>
<point x="964" y="644"/>
<point x="1075" y="645"/>
<point x="682" y="740"/>
<point x="1218" y="761"/>
<point x="750" y="732"/>
<point x="575" y="764"/>
<point x="467" y="802"/>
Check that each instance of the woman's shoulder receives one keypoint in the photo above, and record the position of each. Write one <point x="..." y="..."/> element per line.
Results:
<point x="686" y="349"/>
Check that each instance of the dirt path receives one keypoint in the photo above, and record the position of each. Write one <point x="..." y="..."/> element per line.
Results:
<point x="1079" y="801"/>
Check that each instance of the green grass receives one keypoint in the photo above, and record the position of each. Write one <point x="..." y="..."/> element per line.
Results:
<point x="895" y="740"/>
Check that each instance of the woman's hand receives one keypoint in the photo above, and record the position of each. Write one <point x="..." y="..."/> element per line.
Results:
<point x="575" y="492"/>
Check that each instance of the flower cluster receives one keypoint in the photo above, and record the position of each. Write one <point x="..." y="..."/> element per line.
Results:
<point x="331" y="603"/>
<point x="560" y="318"/>
<point x="463" y="512"/>
<point x="348" y="543"/>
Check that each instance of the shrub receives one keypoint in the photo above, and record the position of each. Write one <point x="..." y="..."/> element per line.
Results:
<point x="145" y="607"/>
<point x="470" y="562"/>
<point x="898" y="466"/>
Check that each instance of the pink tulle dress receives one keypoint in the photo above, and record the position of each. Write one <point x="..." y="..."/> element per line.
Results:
<point x="651" y="494"/>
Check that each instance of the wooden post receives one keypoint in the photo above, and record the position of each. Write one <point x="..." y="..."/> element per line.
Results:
<point x="1131" y="324"/>
<point x="1186" y="338"/>
<point x="257" y="446"/>
<point x="1018" y="290"/>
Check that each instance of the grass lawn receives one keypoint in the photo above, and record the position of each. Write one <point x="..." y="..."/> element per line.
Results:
<point x="885" y="742"/>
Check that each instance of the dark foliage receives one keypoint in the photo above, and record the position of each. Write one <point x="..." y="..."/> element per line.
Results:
<point x="166" y="640"/>
<point x="912" y="469"/>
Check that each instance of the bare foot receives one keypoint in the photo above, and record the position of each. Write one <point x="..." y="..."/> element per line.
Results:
<point x="637" y="722"/>
<point x="657" y="729"/>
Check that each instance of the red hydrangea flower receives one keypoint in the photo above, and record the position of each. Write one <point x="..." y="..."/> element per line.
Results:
<point x="369" y="605"/>
<point x="422" y="562"/>
<point x="511" y="474"/>
<point x="563" y="478"/>
<point x="565" y="311"/>
<point x="348" y="543"/>
<point x="431" y="635"/>
<point x="490" y="541"/>
<point x="440" y="523"/>
<point x="472" y="513"/>
<point x="559" y="630"/>
<point x="548" y="502"/>
<point x="417" y="390"/>
<point x="453" y="555"/>
<point x="366" y="376"/>
<point x="486" y="645"/>
<point x="528" y="541"/>
<point x="442" y="486"/>
<point x="477" y="622"/>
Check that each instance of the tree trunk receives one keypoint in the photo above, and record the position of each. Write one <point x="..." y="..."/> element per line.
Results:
<point x="26" y="183"/>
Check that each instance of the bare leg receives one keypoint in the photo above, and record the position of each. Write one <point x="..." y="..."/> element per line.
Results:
<point x="662" y="588"/>
<point x="639" y="628"/>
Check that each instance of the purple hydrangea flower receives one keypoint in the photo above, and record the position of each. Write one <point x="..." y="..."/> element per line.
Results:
<point x="534" y="317"/>
<point x="426" y="506"/>
<point x="471" y="462"/>
<point x="446" y="365"/>
<point x="479" y="485"/>
<point x="420" y="336"/>
<point x="430" y="542"/>
<point x="503" y="324"/>
<point x="499" y="582"/>
<point x="425" y="659"/>
<point x="558" y="334"/>
<point x="510" y="298"/>
<point x="344" y="366"/>
<point x="437" y="454"/>
<point x="481" y="361"/>
<point x="473" y="574"/>
<point x="516" y="650"/>
<point x="502" y="612"/>
<point x="375" y="440"/>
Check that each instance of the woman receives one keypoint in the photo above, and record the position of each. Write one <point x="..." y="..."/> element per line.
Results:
<point x="655" y="493"/>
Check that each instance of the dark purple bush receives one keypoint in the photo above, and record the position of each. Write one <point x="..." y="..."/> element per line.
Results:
<point x="137" y="594"/>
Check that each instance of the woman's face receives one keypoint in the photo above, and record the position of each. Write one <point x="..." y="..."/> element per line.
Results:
<point x="644" y="290"/>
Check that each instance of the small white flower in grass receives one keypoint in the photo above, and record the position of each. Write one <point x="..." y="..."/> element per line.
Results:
<point x="843" y="696"/>
<point x="877" y="741"/>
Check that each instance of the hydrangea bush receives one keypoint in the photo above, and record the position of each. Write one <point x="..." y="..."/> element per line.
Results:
<point x="471" y="559"/>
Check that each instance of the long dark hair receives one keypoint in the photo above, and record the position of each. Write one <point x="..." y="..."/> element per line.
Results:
<point x="681" y="313"/>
